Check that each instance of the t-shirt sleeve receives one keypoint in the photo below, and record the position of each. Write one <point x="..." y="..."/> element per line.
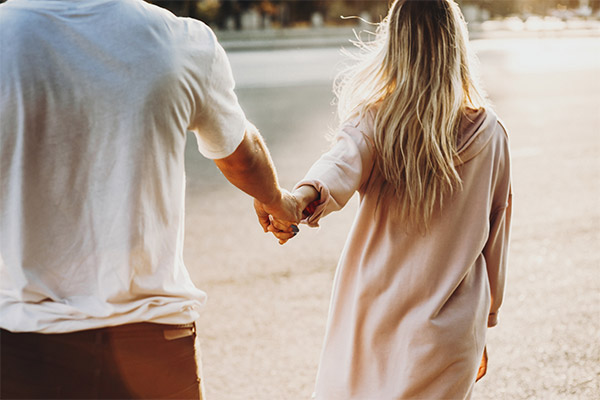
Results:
<point x="218" y="121"/>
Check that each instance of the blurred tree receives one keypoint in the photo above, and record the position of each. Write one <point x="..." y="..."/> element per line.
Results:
<point x="229" y="9"/>
<point x="376" y="9"/>
<point x="185" y="8"/>
<point x="301" y="10"/>
<point x="505" y="8"/>
<point x="293" y="12"/>
<point x="207" y="10"/>
<point x="496" y="8"/>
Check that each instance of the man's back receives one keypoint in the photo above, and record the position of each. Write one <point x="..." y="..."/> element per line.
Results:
<point x="95" y="101"/>
<point x="96" y="97"/>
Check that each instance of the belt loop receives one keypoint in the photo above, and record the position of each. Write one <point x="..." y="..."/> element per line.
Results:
<point x="178" y="333"/>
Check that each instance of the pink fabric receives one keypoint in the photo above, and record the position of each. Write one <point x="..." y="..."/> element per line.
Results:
<point x="409" y="309"/>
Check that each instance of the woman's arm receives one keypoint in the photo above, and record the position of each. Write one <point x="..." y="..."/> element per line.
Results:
<point x="496" y="248"/>
<point x="332" y="180"/>
<point x="339" y="173"/>
<point x="307" y="198"/>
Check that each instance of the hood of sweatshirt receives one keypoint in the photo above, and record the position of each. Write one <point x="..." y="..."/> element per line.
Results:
<point x="474" y="133"/>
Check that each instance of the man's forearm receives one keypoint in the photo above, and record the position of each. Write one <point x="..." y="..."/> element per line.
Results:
<point x="251" y="170"/>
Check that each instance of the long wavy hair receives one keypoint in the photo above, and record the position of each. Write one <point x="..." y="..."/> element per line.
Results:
<point x="417" y="79"/>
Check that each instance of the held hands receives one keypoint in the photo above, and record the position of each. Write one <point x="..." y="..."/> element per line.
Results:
<point x="282" y="216"/>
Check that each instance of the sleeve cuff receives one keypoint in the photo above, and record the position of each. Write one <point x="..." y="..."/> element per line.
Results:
<point x="227" y="145"/>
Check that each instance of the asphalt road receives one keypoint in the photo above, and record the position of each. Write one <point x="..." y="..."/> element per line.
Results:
<point x="264" y="322"/>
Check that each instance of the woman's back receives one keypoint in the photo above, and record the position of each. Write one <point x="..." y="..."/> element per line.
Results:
<point x="422" y="273"/>
<point x="404" y="300"/>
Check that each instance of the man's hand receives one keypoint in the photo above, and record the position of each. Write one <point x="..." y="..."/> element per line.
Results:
<point x="280" y="217"/>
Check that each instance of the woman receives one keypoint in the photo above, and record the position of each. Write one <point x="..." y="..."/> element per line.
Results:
<point x="422" y="273"/>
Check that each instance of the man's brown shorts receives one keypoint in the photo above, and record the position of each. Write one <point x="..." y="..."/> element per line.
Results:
<point x="143" y="360"/>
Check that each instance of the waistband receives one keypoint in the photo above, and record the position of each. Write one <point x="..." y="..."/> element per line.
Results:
<point x="169" y="332"/>
<point x="139" y="329"/>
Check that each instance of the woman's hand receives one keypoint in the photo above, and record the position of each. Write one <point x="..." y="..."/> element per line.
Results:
<point x="307" y="197"/>
<point x="483" y="365"/>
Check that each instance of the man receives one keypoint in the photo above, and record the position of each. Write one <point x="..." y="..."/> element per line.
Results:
<point x="96" y="97"/>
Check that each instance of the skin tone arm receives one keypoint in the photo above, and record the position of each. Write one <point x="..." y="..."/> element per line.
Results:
<point x="251" y="170"/>
<point x="305" y="195"/>
<point x="483" y="366"/>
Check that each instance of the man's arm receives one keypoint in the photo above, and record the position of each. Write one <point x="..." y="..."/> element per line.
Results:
<point x="251" y="170"/>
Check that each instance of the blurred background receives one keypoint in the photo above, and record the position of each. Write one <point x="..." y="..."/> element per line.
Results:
<point x="273" y="14"/>
<point x="264" y="322"/>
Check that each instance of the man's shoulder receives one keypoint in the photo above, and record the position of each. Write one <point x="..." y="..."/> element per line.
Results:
<point x="177" y="28"/>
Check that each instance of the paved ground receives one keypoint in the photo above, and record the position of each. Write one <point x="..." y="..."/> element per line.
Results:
<point x="263" y="326"/>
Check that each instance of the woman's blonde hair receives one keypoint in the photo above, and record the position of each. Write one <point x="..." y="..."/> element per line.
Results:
<point x="415" y="76"/>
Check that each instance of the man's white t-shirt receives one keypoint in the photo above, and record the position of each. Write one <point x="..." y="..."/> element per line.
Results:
<point x="96" y="97"/>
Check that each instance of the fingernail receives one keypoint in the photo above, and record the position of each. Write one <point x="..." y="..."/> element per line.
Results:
<point x="295" y="229"/>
